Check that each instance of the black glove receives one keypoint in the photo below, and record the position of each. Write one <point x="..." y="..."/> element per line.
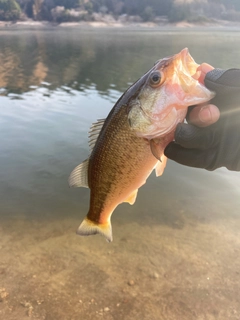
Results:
<point x="217" y="145"/>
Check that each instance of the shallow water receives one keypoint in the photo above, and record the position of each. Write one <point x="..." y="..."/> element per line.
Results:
<point x="179" y="244"/>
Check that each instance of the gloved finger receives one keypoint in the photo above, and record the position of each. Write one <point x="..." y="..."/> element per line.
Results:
<point x="208" y="159"/>
<point x="201" y="72"/>
<point x="189" y="112"/>
<point x="189" y="136"/>
<point x="190" y="157"/>
<point x="217" y="79"/>
<point x="203" y="115"/>
<point x="226" y="84"/>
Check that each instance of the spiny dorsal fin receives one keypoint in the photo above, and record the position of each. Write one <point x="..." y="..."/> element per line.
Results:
<point x="94" y="132"/>
<point x="79" y="175"/>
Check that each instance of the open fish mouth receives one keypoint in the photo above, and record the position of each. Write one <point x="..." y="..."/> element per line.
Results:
<point x="186" y="63"/>
<point x="186" y="70"/>
<point x="159" y="108"/>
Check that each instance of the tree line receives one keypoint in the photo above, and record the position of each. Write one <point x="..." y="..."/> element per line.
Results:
<point x="144" y="10"/>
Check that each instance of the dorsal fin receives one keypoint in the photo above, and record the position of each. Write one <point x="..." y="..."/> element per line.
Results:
<point x="94" y="132"/>
<point x="79" y="175"/>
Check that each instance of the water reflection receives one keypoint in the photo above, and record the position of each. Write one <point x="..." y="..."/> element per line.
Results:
<point x="58" y="82"/>
<point x="73" y="59"/>
<point x="174" y="242"/>
<point x="105" y="60"/>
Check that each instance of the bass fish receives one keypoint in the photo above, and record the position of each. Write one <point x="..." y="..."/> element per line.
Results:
<point x="129" y="143"/>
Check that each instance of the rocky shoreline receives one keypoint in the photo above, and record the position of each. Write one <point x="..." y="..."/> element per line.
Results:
<point x="111" y="23"/>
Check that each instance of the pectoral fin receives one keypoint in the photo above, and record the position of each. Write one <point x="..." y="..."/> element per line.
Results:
<point x="161" y="166"/>
<point x="157" y="151"/>
<point x="132" y="198"/>
<point x="156" y="148"/>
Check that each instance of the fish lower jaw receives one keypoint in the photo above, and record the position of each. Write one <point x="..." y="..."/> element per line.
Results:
<point x="160" y="133"/>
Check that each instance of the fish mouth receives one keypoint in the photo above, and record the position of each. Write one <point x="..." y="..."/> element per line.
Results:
<point x="186" y="63"/>
<point x="189" y="77"/>
<point x="170" y="101"/>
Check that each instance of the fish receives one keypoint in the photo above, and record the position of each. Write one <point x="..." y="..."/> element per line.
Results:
<point x="129" y="144"/>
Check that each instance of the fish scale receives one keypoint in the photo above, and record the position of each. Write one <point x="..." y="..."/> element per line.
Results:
<point x="109" y="163"/>
<point x="128" y="145"/>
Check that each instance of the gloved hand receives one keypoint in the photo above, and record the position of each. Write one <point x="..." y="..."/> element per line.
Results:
<point x="217" y="145"/>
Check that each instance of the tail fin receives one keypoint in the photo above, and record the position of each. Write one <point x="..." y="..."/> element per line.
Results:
<point x="88" y="228"/>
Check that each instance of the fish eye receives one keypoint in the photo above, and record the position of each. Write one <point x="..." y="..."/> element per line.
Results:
<point x="155" y="78"/>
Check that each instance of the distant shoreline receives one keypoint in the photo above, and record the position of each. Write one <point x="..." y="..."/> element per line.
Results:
<point x="100" y="24"/>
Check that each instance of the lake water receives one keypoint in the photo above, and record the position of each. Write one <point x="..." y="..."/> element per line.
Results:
<point x="175" y="253"/>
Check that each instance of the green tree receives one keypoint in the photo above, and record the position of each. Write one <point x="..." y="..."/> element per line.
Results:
<point x="68" y="4"/>
<point x="160" y="7"/>
<point x="147" y="14"/>
<point x="26" y="7"/>
<point x="235" y="4"/>
<point x="9" y="10"/>
<point x="179" y="12"/>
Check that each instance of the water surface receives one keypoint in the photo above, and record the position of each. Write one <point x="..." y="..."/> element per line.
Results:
<point x="179" y="243"/>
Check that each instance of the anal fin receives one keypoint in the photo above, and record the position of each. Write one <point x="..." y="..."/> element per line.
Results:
<point x="161" y="166"/>
<point x="132" y="198"/>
